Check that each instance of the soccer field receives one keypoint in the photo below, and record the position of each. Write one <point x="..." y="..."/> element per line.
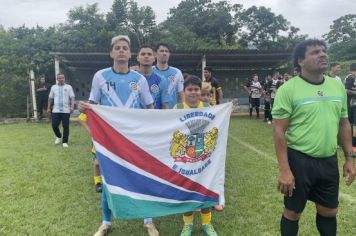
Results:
<point x="48" y="190"/>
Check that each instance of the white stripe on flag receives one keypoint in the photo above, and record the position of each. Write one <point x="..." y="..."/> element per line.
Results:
<point x="139" y="196"/>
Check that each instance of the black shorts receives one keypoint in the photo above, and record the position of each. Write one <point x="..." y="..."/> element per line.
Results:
<point x="255" y="102"/>
<point x="316" y="179"/>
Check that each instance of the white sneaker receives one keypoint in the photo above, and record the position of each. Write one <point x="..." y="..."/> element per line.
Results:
<point x="269" y="122"/>
<point x="57" y="141"/>
<point x="65" y="145"/>
<point x="103" y="230"/>
<point x="151" y="229"/>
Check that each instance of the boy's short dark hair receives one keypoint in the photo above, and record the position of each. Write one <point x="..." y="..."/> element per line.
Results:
<point x="161" y="44"/>
<point x="209" y="68"/>
<point x="192" y="80"/>
<point x="332" y="65"/>
<point x="353" y="67"/>
<point x="301" y="48"/>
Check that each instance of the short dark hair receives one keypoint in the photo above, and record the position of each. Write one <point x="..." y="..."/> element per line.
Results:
<point x="334" y="64"/>
<point x="161" y="44"/>
<point x="192" y="80"/>
<point x="145" y="46"/>
<point x="353" y="67"/>
<point x="301" y="48"/>
<point x="209" y="68"/>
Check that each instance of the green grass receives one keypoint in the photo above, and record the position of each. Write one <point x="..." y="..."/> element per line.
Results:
<point x="46" y="190"/>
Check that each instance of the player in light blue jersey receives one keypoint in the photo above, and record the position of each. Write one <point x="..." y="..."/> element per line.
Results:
<point x="171" y="74"/>
<point x="158" y="85"/>
<point x="118" y="86"/>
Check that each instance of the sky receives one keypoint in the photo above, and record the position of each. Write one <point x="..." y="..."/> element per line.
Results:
<point x="313" y="17"/>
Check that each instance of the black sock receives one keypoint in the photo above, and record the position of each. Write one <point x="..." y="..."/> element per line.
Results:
<point x="250" y="112"/>
<point x="289" y="227"/>
<point x="257" y="112"/>
<point x="326" y="225"/>
<point x="353" y="141"/>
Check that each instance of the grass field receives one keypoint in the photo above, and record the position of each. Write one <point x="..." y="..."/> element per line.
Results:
<point x="47" y="190"/>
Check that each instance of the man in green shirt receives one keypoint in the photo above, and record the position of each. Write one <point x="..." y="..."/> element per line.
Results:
<point x="309" y="113"/>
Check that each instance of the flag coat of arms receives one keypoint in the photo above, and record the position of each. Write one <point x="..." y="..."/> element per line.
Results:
<point x="160" y="162"/>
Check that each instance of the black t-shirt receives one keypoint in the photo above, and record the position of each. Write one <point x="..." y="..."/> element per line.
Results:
<point x="43" y="94"/>
<point x="350" y="85"/>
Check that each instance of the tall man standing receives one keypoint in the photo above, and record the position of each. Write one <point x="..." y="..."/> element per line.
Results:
<point x="118" y="86"/>
<point x="62" y="96"/>
<point x="216" y="88"/>
<point x="42" y="96"/>
<point x="173" y="75"/>
<point x="309" y="113"/>
<point x="158" y="85"/>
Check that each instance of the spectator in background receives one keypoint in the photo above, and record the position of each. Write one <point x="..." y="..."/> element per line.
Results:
<point x="335" y="71"/>
<point x="350" y="85"/>
<point x="254" y="89"/>
<point x="42" y="91"/>
<point x="216" y="88"/>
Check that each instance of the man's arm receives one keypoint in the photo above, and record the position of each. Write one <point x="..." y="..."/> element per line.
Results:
<point x="49" y="105"/>
<point x="72" y="99"/>
<point x="220" y="92"/>
<point x="181" y="96"/>
<point x="248" y="91"/>
<point x="286" y="182"/>
<point x="345" y="134"/>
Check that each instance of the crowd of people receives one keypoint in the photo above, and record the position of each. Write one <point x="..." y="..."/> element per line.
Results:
<point x="308" y="170"/>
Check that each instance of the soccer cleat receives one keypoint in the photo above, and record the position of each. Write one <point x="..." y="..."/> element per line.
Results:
<point x="103" y="230"/>
<point x="98" y="188"/>
<point x="209" y="230"/>
<point x="269" y="122"/>
<point x="57" y="141"/>
<point x="65" y="145"/>
<point x="151" y="229"/>
<point x="187" y="230"/>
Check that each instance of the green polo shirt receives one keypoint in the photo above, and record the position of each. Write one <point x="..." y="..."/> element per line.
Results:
<point x="314" y="112"/>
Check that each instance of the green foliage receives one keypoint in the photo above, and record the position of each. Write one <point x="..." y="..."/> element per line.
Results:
<point x="343" y="50"/>
<point x="342" y="37"/>
<point x="262" y="29"/>
<point x="126" y="17"/>
<point x="85" y="28"/>
<point x="211" y="22"/>
<point x="343" y="29"/>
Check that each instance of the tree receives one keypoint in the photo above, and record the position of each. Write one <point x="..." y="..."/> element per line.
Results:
<point x="262" y="29"/>
<point x="343" y="29"/>
<point x="139" y="23"/>
<point x="85" y="28"/>
<point x="211" y="22"/>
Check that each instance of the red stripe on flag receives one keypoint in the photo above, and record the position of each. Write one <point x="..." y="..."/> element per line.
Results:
<point x="116" y="143"/>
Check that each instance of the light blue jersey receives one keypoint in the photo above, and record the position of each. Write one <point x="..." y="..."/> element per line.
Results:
<point x="175" y="81"/>
<point x="128" y="90"/>
<point x="159" y="90"/>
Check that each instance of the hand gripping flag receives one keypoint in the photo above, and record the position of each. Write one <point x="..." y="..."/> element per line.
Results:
<point x="160" y="162"/>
